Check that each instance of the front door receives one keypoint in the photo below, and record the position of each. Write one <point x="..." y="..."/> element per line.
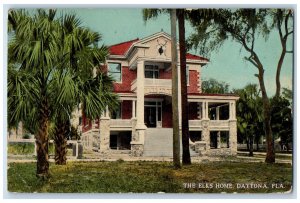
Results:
<point x="150" y="116"/>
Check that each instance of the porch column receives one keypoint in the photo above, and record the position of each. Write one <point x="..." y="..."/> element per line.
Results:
<point x="140" y="95"/>
<point x="133" y="109"/>
<point x="205" y="110"/>
<point x="205" y="136"/>
<point x="233" y="137"/>
<point x="104" y="131"/>
<point x="232" y="128"/>
<point x="137" y="143"/>
<point x="199" y="108"/>
<point x="218" y="139"/>
<point x="232" y="110"/>
<point x="218" y="113"/>
<point x="106" y="112"/>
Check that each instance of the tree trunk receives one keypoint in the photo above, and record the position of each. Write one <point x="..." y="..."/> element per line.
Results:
<point x="251" y="145"/>
<point x="175" y="121"/>
<point x="248" y="147"/>
<point x="42" y="170"/>
<point x="257" y="144"/>
<point x="270" y="157"/>
<point x="279" y="66"/>
<point x="60" y="141"/>
<point x="186" y="158"/>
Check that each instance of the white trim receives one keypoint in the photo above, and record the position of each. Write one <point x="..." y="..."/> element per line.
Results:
<point x="211" y="98"/>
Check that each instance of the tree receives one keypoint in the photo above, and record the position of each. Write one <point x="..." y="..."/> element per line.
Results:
<point x="93" y="93"/>
<point x="180" y="13"/>
<point x="36" y="63"/>
<point x="213" y="86"/>
<point x="152" y="13"/>
<point x="186" y="157"/>
<point x="81" y="57"/>
<point x="243" y="26"/>
<point x="249" y="117"/>
<point x="34" y="50"/>
<point x="281" y="21"/>
<point x="282" y="121"/>
<point x="176" y="139"/>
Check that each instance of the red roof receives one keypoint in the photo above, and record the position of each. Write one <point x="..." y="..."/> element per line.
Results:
<point x="195" y="57"/>
<point x="120" y="49"/>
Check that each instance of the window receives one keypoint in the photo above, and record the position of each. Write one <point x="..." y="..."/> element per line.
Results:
<point x="151" y="71"/>
<point x="117" y="114"/>
<point x="115" y="71"/>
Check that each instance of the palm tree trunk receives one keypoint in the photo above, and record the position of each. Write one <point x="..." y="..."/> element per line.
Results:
<point x="60" y="141"/>
<point x="42" y="142"/>
<point x="176" y="139"/>
<point x="257" y="144"/>
<point x="251" y="145"/>
<point x="186" y="158"/>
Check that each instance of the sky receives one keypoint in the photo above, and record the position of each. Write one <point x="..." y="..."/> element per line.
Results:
<point x="226" y="64"/>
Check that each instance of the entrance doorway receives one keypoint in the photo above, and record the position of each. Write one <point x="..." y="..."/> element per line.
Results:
<point x="152" y="114"/>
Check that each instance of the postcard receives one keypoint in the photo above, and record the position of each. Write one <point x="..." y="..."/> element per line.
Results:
<point x="148" y="100"/>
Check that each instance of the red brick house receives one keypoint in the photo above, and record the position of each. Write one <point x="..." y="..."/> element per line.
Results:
<point x="143" y="123"/>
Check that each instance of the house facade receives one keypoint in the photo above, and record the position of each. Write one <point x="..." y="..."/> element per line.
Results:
<point x="142" y="125"/>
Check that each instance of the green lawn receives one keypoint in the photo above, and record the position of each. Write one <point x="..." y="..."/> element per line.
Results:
<point x="151" y="177"/>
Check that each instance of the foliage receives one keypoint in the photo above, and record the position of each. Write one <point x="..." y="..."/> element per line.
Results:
<point x="26" y="136"/>
<point x="74" y="135"/>
<point x="243" y="26"/>
<point x="282" y="120"/>
<point x="149" y="177"/>
<point x="249" y="113"/>
<point x="52" y="63"/>
<point x="287" y="94"/>
<point x="20" y="148"/>
<point x="214" y="86"/>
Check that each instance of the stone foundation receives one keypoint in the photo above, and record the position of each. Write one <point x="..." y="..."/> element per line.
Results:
<point x="137" y="150"/>
<point x="221" y="152"/>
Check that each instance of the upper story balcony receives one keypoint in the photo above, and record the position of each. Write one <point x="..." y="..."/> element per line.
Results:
<point x="154" y="86"/>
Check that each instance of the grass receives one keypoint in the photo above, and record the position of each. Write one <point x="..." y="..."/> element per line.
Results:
<point x="28" y="149"/>
<point x="21" y="148"/>
<point x="277" y="156"/>
<point x="150" y="177"/>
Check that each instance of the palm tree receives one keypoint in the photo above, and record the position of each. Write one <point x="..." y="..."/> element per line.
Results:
<point x="186" y="157"/>
<point x="33" y="52"/>
<point x="152" y="13"/>
<point x="80" y="56"/>
<point x="94" y="94"/>
<point x="37" y="61"/>
<point x="175" y="120"/>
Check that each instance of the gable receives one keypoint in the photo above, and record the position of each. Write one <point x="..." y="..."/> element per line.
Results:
<point x="157" y="47"/>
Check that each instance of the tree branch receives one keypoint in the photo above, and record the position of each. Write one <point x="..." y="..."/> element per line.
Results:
<point x="286" y="21"/>
<point x="279" y="13"/>
<point x="251" y="61"/>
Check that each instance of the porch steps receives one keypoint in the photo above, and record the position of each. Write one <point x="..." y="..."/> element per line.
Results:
<point x="159" y="143"/>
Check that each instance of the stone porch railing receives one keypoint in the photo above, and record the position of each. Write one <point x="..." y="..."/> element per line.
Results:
<point x="213" y="124"/>
<point x="154" y="86"/>
<point x="121" y="123"/>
